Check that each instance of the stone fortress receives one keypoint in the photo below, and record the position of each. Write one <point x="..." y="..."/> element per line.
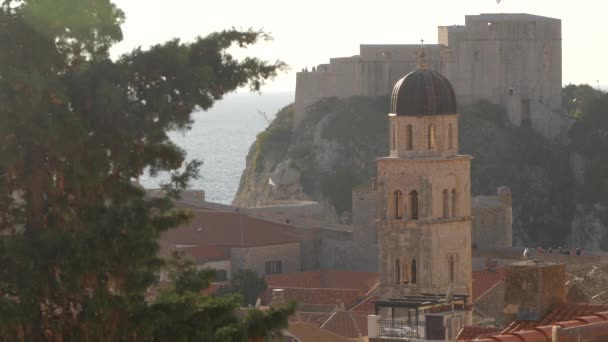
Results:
<point x="510" y="59"/>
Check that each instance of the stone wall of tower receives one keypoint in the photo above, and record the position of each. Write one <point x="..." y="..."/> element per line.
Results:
<point x="445" y="140"/>
<point x="493" y="220"/>
<point x="365" y="233"/>
<point x="511" y="59"/>
<point x="432" y="245"/>
<point x="433" y="237"/>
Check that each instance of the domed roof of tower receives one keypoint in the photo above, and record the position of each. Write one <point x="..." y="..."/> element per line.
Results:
<point x="423" y="92"/>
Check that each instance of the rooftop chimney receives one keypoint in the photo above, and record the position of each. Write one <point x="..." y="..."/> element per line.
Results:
<point x="533" y="289"/>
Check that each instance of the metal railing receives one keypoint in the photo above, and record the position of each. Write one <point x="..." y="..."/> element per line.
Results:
<point x="400" y="329"/>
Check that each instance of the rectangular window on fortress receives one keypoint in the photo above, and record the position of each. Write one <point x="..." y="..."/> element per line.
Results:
<point x="274" y="267"/>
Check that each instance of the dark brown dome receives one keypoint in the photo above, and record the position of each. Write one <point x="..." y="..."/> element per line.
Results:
<point x="423" y="92"/>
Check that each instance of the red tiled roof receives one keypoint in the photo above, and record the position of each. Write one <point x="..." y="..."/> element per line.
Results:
<point x="227" y="229"/>
<point x="313" y="318"/>
<point x="206" y="253"/>
<point x="366" y="306"/>
<point x="325" y="279"/>
<point x="308" y="333"/>
<point x="485" y="280"/>
<point x="343" y="298"/>
<point x="346" y="323"/>
<point x="472" y="332"/>
<point x="565" y="312"/>
<point x="580" y="328"/>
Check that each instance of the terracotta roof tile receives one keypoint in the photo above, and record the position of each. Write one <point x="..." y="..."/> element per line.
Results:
<point x="206" y="253"/>
<point x="325" y="279"/>
<point x="588" y="326"/>
<point x="341" y="298"/>
<point x="367" y="306"/>
<point x="563" y="313"/>
<point x="308" y="333"/>
<point x="472" y="332"/>
<point x="313" y="318"/>
<point x="484" y="280"/>
<point x="228" y="229"/>
<point x="347" y="324"/>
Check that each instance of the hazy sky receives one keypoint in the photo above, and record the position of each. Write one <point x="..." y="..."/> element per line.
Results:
<point x="308" y="33"/>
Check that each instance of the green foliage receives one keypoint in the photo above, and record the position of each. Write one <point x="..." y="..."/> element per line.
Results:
<point x="358" y="127"/>
<point x="79" y="238"/>
<point x="536" y="170"/>
<point x="274" y="140"/>
<point x="180" y="313"/>
<point x="247" y="284"/>
<point x="355" y="130"/>
<point x="575" y="98"/>
<point x="589" y="137"/>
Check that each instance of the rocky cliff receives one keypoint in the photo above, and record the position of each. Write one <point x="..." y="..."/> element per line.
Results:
<point x="336" y="146"/>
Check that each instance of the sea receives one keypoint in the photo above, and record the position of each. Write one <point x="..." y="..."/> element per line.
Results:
<point x="221" y="137"/>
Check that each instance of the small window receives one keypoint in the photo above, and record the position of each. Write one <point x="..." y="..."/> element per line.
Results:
<point x="413" y="270"/>
<point x="510" y="91"/>
<point x="414" y="205"/>
<point x="398" y="205"/>
<point x="446" y="204"/>
<point x="431" y="137"/>
<point x="450" y="137"/>
<point x="476" y="56"/>
<point x="405" y="276"/>
<point x="410" y="138"/>
<point x="274" y="267"/>
<point x="454" y="203"/>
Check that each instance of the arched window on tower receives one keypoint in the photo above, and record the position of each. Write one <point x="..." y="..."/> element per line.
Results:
<point x="446" y="203"/>
<point x="393" y="137"/>
<point x="410" y="138"/>
<point x="397" y="271"/>
<point x="414" y="205"/>
<point x="405" y="273"/>
<point x="454" y="203"/>
<point x="450" y="137"/>
<point x="451" y="268"/>
<point x="431" y="137"/>
<point x="413" y="270"/>
<point x="397" y="205"/>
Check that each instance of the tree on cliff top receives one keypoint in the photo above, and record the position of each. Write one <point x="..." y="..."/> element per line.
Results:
<point x="78" y="241"/>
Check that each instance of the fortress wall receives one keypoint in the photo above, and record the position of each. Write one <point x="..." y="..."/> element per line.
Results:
<point x="514" y="60"/>
<point x="310" y="88"/>
<point x="302" y="214"/>
<point x="509" y="59"/>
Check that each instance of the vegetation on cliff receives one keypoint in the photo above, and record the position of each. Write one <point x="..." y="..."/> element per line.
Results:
<point x="336" y="146"/>
<point x="589" y="138"/>
<point x="536" y="170"/>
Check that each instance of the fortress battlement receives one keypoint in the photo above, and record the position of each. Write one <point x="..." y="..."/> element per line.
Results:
<point x="513" y="59"/>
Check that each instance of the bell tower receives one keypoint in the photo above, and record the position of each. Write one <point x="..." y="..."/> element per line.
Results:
<point x="424" y="195"/>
